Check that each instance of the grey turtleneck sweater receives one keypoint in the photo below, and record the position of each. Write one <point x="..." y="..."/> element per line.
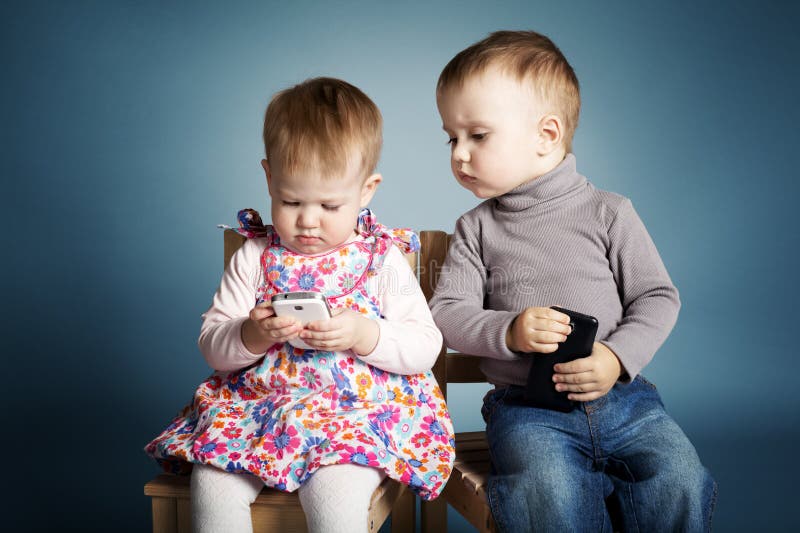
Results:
<point x="555" y="240"/>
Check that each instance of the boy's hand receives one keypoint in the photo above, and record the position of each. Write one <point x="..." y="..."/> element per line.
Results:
<point x="262" y="329"/>
<point x="590" y="377"/>
<point x="345" y="330"/>
<point x="537" y="329"/>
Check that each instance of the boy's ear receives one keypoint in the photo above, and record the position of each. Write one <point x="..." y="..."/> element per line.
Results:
<point x="267" y="172"/>
<point x="369" y="187"/>
<point x="551" y="133"/>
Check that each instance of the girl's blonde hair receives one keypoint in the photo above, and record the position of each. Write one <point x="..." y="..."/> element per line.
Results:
<point x="323" y="124"/>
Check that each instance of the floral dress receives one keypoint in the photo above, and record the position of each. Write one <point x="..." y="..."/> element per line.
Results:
<point x="295" y="410"/>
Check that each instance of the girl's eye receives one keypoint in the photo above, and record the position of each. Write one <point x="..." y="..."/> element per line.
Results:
<point x="290" y="204"/>
<point x="452" y="141"/>
<point x="479" y="136"/>
<point x="327" y="207"/>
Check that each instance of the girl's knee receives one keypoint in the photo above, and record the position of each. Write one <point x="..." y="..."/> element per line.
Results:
<point x="220" y="501"/>
<point x="337" y="497"/>
<point x="210" y="486"/>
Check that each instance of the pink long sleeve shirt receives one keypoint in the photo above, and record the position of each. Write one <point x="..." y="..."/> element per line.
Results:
<point x="409" y="340"/>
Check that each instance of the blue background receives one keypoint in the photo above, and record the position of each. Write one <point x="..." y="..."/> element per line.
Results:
<point x="129" y="130"/>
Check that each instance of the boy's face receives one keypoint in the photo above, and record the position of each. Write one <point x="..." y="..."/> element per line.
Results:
<point x="313" y="213"/>
<point x="492" y="121"/>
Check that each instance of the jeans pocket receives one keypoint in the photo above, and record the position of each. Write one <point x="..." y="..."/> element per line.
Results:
<point x="645" y="390"/>
<point x="490" y="402"/>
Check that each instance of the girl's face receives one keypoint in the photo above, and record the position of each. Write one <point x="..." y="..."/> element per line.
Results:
<point x="313" y="213"/>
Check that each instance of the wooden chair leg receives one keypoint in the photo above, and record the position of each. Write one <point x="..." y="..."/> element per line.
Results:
<point x="434" y="516"/>
<point x="165" y="515"/>
<point x="184" y="516"/>
<point x="404" y="513"/>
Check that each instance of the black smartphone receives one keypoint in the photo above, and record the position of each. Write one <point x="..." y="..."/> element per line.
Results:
<point x="540" y="391"/>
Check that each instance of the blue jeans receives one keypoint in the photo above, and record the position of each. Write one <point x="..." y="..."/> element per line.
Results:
<point x="620" y="454"/>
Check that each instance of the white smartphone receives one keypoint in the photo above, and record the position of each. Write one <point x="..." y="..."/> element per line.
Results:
<point x="305" y="307"/>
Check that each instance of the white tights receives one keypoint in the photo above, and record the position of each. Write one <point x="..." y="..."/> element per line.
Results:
<point x="335" y="499"/>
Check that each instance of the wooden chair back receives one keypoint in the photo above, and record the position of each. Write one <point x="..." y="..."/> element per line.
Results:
<point x="465" y="488"/>
<point x="450" y="367"/>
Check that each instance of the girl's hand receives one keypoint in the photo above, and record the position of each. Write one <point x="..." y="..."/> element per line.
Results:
<point x="590" y="377"/>
<point x="262" y="328"/>
<point x="537" y="329"/>
<point x="345" y="330"/>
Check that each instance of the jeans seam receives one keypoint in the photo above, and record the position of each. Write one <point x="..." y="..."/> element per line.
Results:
<point x="596" y="451"/>
<point x="491" y="495"/>
<point x="629" y="493"/>
<point x="497" y="397"/>
<point x="602" y="510"/>
<point x="712" y="506"/>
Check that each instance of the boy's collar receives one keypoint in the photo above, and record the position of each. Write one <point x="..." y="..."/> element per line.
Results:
<point x="563" y="179"/>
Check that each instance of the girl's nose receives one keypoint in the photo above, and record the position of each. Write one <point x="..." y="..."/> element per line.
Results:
<point x="307" y="219"/>
<point x="460" y="153"/>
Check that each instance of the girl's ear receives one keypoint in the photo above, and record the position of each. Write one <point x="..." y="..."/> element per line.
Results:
<point x="368" y="188"/>
<point x="551" y="133"/>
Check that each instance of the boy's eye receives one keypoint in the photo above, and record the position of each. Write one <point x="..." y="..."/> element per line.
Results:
<point x="290" y="204"/>
<point x="452" y="141"/>
<point x="478" y="136"/>
<point x="328" y="207"/>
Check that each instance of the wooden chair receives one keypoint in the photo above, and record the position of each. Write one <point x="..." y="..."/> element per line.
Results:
<point x="274" y="510"/>
<point x="465" y="490"/>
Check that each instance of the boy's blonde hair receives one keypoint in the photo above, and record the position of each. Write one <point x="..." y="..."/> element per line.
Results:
<point x="528" y="56"/>
<point x="322" y="124"/>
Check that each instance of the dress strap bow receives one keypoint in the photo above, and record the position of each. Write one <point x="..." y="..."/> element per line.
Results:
<point x="403" y="238"/>
<point x="250" y="224"/>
